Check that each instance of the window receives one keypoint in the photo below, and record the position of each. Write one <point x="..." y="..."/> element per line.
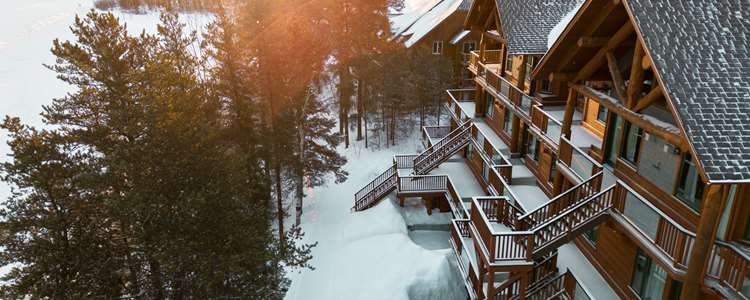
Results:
<point x="509" y="63"/>
<point x="506" y="121"/>
<point x="469" y="151"/>
<point x="437" y="47"/>
<point x="533" y="147"/>
<point x="545" y="86"/>
<point x="489" y="101"/>
<point x="690" y="189"/>
<point x="632" y="143"/>
<point x="648" y="278"/>
<point x="591" y="235"/>
<point x="552" y="168"/>
<point x="470" y="46"/>
<point x="601" y="115"/>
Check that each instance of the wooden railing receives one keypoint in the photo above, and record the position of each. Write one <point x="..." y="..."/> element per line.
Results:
<point x="459" y="231"/>
<point x="578" y="161"/>
<point x="730" y="267"/>
<point x="422" y="183"/>
<point x="433" y="132"/>
<point x="376" y="189"/>
<point x="561" y="203"/>
<point x="671" y="238"/>
<point x="547" y="124"/>
<point x="443" y="149"/>
<point x="404" y="161"/>
<point x="575" y="217"/>
<point x="525" y="244"/>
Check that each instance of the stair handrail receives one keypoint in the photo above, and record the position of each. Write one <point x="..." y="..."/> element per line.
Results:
<point x="359" y="196"/>
<point x="448" y="138"/>
<point x="422" y="158"/>
<point x="533" y="212"/>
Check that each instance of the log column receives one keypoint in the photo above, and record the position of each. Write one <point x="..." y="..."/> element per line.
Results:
<point x="704" y="239"/>
<point x="570" y="108"/>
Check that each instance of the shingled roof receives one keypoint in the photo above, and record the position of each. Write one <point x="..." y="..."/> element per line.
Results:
<point x="701" y="50"/>
<point x="527" y="23"/>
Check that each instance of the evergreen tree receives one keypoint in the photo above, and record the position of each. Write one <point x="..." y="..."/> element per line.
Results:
<point x="144" y="189"/>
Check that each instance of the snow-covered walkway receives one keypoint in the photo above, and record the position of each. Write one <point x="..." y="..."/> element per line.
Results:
<point x="372" y="254"/>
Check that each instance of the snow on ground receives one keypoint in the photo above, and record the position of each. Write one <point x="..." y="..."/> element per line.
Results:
<point x="369" y="254"/>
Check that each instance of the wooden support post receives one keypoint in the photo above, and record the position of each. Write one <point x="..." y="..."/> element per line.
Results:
<point x="704" y="240"/>
<point x="522" y="73"/>
<point x="570" y="108"/>
<point x="557" y="185"/>
<point x="491" y="286"/>
<point x="515" y="134"/>
<point x="429" y="203"/>
<point x="503" y="57"/>
<point x="635" y="84"/>
<point x="614" y="71"/>
<point x="524" y="283"/>
<point x="401" y="201"/>
<point x="482" y="48"/>
<point x="479" y="285"/>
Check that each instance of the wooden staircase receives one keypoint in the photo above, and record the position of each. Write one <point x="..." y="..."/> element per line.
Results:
<point x="431" y="157"/>
<point x="538" y="232"/>
<point x="421" y="164"/>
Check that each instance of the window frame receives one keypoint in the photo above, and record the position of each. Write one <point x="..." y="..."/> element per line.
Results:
<point x="473" y="47"/>
<point x="437" y="47"/>
<point x="680" y="192"/>
<point x="625" y="142"/>
<point x="509" y="63"/>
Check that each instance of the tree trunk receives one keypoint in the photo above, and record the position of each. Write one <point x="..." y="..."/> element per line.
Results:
<point x="360" y="107"/>
<point x="300" y="192"/>
<point x="279" y="201"/>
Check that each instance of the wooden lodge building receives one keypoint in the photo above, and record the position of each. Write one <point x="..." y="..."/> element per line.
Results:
<point x="609" y="145"/>
<point x="440" y="31"/>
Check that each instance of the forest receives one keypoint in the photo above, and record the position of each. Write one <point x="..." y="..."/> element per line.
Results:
<point x="171" y="168"/>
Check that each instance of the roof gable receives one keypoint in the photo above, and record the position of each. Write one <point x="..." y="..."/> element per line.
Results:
<point x="700" y="51"/>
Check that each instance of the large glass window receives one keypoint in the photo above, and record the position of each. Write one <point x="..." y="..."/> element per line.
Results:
<point x="506" y="121"/>
<point x="553" y="168"/>
<point x="648" y="278"/>
<point x="533" y="147"/>
<point x="614" y="137"/>
<point x="601" y="115"/>
<point x="632" y="143"/>
<point x="690" y="189"/>
<point x="489" y="101"/>
<point x="470" y="46"/>
<point x="721" y="232"/>
<point x="591" y="235"/>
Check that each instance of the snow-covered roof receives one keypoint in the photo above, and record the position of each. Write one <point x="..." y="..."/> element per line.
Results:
<point x="700" y="50"/>
<point x="528" y="23"/>
<point x="460" y="36"/>
<point x="422" y="16"/>
<point x="556" y="31"/>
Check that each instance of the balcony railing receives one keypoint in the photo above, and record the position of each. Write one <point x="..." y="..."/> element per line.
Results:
<point x="404" y="161"/>
<point x="459" y="231"/>
<point x="547" y="124"/>
<point x="578" y="161"/>
<point x="729" y="266"/>
<point x="430" y="133"/>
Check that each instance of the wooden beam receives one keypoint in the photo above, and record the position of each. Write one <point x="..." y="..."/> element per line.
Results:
<point x="592" y="42"/>
<point x="646" y="63"/>
<point x="557" y="76"/>
<point x="650" y="98"/>
<point x="591" y="27"/>
<point x="635" y="83"/>
<point x="713" y="201"/>
<point x="671" y="134"/>
<point x="614" y="71"/>
<point x="570" y="107"/>
<point x="623" y="33"/>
